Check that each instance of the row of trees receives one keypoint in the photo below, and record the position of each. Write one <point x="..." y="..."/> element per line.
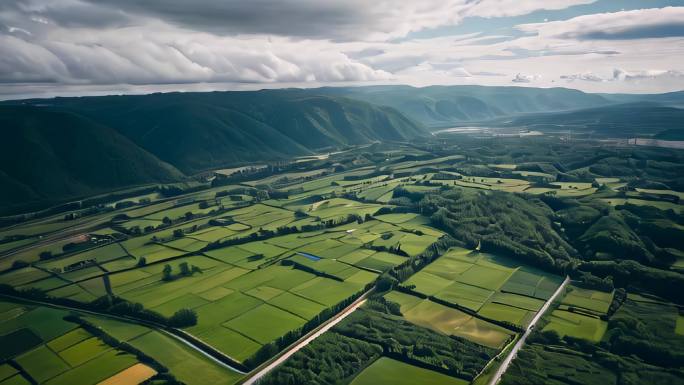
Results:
<point x="111" y="305"/>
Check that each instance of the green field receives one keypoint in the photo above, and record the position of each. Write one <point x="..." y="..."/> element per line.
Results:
<point x="594" y="301"/>
<point x="450" y="321"/>
<point x="54" y="351"/>
<point x="389" y="371"/>
<point x="576" y="325"/>
<point x="496" y="287"/>
<point x="473" y="231"/>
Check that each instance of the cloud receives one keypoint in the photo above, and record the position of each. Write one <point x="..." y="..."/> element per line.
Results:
<point x="137" y="56"/>
<point x="377" y="20"/>
<point x="521" y="78"/>
<point x="588" y="76"/>
<point x="621" y="75"/>
<point x="203" y="44"/>
<point x="625" y="25"/>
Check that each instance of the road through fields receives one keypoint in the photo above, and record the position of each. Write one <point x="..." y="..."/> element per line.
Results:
<point x="507" y="361"/>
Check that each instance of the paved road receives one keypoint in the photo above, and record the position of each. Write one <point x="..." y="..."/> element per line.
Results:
<point x="312" y="336"/>
<point x="507" y="361"/>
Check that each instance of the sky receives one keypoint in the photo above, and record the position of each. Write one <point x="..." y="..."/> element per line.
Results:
<point x="94" y="47"/>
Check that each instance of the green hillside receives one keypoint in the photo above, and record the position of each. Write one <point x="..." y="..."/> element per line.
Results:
<point x="47" y="154"/>
<point x="66" y="147"/>
<point x="197" y="131"/>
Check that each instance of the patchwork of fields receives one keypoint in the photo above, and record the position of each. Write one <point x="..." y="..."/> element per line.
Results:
<point x="488" y="286"/>
<point x="38" y="345"/>
<point x="579" y="314"/>
<point x="260" y="262"/>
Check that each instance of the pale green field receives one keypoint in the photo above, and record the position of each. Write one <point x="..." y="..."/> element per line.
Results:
<point x="386" y="371"/>
<point x="576" y="325"/>
<point x="679" y="329"/>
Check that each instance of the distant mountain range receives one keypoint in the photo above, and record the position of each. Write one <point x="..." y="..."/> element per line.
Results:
<point x="638" y="119"/>
<point x="67" y="147"/>
<point x="57" y="149"/>
<point x="441" y="106"/>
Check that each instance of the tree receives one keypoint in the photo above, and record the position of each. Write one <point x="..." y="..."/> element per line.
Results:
<point x="142" y="262"/>
<point x="183" y="318"/>
<point x="385" y="283"/>
<point x="204" y="205"/>
<point x="166" y="220"/>
<point x="44" y="255"/>
<point x="184" y="268"/>
<point x="18" y="264"/>
<point x="177" y="233"/>
<point x="167" y="276"/>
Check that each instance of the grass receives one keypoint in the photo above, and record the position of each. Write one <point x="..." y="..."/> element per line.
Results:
<point x="595" y="301"/>
<point x="42" y="363"/>
<point x="83" y="351"/>
<point x="450" y="321"/>
<point x="679" y="328"/>
<point x="265" y="323"/>
<point x="484" y="277"/>
<point x="506" y="313"/>
<point x="46" y="322"/>
<point x="17" y="342"/>
<point x="469" y="296"/>
<point x="519" y="301"/>
<point x="326" y="291"/>
<point x="576" y="325"/>
<point x="389" y="371"/>
<point x="186" y="364"/>
<point x="16" y="380"/>
<point x="303" y="307"/>
<point x="232" y="343"/>
<point x="381" y="261"/>
<point x="428" y="284"/>
<point x="69" y="339"/>
<point x="6" y="371"/>
<point x="95" y="370"/>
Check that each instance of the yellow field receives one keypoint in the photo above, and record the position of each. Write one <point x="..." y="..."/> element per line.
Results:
<point x="131" y="376"/>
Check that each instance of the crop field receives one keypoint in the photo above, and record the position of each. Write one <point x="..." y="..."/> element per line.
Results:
<point x="578" y="314"/>
<point x="135" y="374"/>
<point x="256" y="262"/>
<point x="494" y="287"/>
<point x="50" y="350"/>
<point x="591" y="301"/>
<point x="567" y="323"/>
<point x="450" y="321"/>
<point x="388" y="371"/>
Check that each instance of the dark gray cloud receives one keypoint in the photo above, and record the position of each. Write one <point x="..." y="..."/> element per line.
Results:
<point x="66" y="13"/>
<point x="297" y="18"/>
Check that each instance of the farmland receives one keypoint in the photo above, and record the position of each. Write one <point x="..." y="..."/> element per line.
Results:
<point x="396" y="372"/>
<point x="43" y="347"/>
<point x="456" y="255"/>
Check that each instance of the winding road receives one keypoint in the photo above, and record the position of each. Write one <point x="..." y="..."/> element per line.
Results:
<point x="507" y="361"/>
